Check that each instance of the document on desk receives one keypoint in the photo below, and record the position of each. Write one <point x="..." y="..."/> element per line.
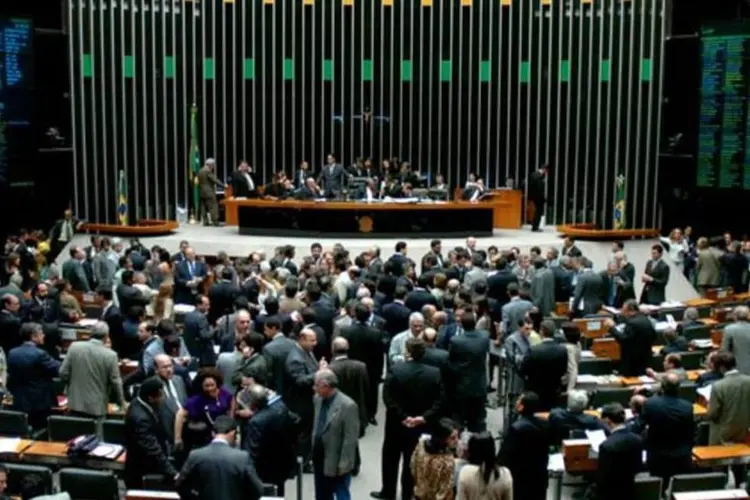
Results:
<point x="587" y="379"/>
<point x="87" y="322"/>
<point x="705" y="392"/>
<point x="646" y="379"/>
<point x="107" y="450"/>
<point x="9" y="445"/>
<point x="556" y="463"/>
<point x="596" y="438"/>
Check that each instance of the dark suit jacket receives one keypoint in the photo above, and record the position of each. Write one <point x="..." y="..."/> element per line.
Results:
<point x="524" y="451"/>
<point x="114" y="319"/>
<point x="300" y="377"/>
<point x="366" y="345"/>
<point x="536" y="187"/>
<point x="565" y="424"/>
<point x="563" y="283"/>
<point x="198" y="338"/>
<point x="635" y="340"/>
<point x="10" y="331"/>
<point x="437" y="357"/>
<point x="73" y="272"/>
<point x="182" y="293"/>
<point x="30" y="374"/>
<point x="655" y="292"/>
<point x="276" y="352"/>
<point x="219" y="471"/>
<point x="620" y="459"/>
<point x="221" y="294"/>
<point x="418" y="298"/>
<point x="169" y="407"/>
<point x="589" y="290"/>
<point x="240" y="188"/>
<point x="354" y="382"/>
<point x="608" y="282"/>
<point x="129" y="296"/>
<point x="468" y="359"/>
<point x="671" y="427"/>
<point x="413" y="389"/>
<point x="147" y="444"/>
<point x="332" y="182"/>
<point x="271" y="438"/>
<point x="544" y="368"/>
<point x="396" y="316"/>
<point x="324" y="315"/>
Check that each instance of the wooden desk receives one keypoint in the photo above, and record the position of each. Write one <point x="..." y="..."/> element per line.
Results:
<point x="699" y="302"/>
<point x="592" y="328"/>
<point x="721" y="455"/>
<point x="151" y="495"/>
<point x="699" y="412"/>
<point x="606" y="348"/>
<point x="736" y="494"/>
<point x="709" y="321"/>
<point x="56" y="453"/>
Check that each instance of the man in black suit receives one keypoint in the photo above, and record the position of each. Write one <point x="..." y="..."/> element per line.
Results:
<point x="197" y="333"/>
<point x="270" y="436"/>
<point x="10" y="323"/>
<point x="276" y="351"/>
<point x="302" y="174"/>
<point x="175" y="392"/>
<point x="544" y="367"/>
<point x="655" y="278"/>
<point x="366" y="345"/>
<point x="587" y="297"/>
<point x="467" y="354"/>
<point x="220" y="470"/>
<point x="396" y="314"/>
<point x="413" y="396"/>
<point x="435" y="356"/>
<point x="221" y="295"/>
<point x="636" y="336"/>
<point x="436" y="252"/>
<point x="309" y="190"/>
<point x="571" y="422"/>
<point x="128" y="295"/>
<point x="536" y="194"/>
<point x="620" y="457"/>
<point x="569" y="248"/>
<point x="420" y="296"/>
<point x="671" y="427"/>
<point x="497" y="284"/>
<point x="243" y="182"/>
<point x="324" y="310"/>
<point x="525" y="449"/>
<point x="145" y="438"/>
<point x="332" y="177"/>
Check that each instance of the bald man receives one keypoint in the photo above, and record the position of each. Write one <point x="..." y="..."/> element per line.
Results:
<point x="175" y="393"/>
<point x="353" y="377"/>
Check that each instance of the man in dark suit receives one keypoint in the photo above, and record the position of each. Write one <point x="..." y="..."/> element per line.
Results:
<point x="436" y="252"/>
<point x="467" y="354"/>
<point x="128" y="296"/>
<point x="571" y="422"/>
<point x="189" y="274"/>
<point x="536" y="194"/>
<point x="497" y="284"/>
<point x="420" y="296"/>
<point x="243" y="182"/>
<point x="175" y="393"/>
<point x="636" y="336"/>
<point x="396" y="314"/>
<point x="270" y="436"/>
<point x="10" y="323"/>
<point x="222" y="294"/>
<point x="544" y="367"/>
<point x="73" y="272"/>
<point x="276" y="351"/>
<point x="303" y="173"/>
<point x="197" y="333"/>
<point x="30" y="374"/>
<point x="620" y="457"/>
<point x="366" y="345"/>
<point x="145" y="438"/>
<point x="435" y="356"/>
<point x="220" y="470"/>
<point x="655" y="278"/>
<point x="413" y="396"/>
<point x="671" y="427"/>
<point x="525" y="449"/>
<point x="324" y="310"/>
<point x="569" y="248"/>
<point x="588" y="292"/>
<point x="332" y="178"/>
<point x="309" y="191"/>
<point x="613" y="286"/>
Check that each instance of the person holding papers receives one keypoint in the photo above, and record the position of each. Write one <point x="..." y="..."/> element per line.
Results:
<point x="655" y="278"/>
<point x="635" y="336"/>
<point x="587" y="296"/>
<point x="620" y="457"/>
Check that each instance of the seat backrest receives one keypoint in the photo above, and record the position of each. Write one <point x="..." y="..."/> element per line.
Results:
<point x="85" y="484"/>
<point x="270" y="490"/>
<point x="66" y="428"/>
<point x="17" y="472"/>
<point x="697" y="332"/>
<point x="113" y="431"/>
<point x="692" y="360"/>
<point x="697" y="482"/>
<point x="609" y="395"/>
<point x="595" y="367"/>
<point x="688" y="391"/>
<point x="14" y="424"/>
<point x="647" y="488"/>
<point x="701" y="433"/>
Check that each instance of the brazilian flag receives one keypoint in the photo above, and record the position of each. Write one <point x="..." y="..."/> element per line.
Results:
<point x="618" y="216"/>
<point x="194" y="157"/>
<point x="122" y="199"/>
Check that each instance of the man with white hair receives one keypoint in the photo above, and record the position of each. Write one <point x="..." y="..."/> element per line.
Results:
<point x="397" y="351"/>
<point x="737" y="339"/>
<point x="207" y="184"/>
<point x="92" y="373"/>
<point x="565" y="423"/>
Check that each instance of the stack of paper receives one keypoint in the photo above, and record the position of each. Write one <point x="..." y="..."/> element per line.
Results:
<point x="596" y="438"/>
<point x="87" y="322"/>
<point x="587" y="355"/>
<point x="107" y="450"/>
<point x="703" y="343"/>
<point x="705" y="392"/>
<point x="556" y="463"/>
<point x="587" y="379"/>
<point x="9" y="445"/>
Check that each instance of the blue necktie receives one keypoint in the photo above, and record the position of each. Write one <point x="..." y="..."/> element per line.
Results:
<point x="192" y="269"/>
<point x="612" y="291"/>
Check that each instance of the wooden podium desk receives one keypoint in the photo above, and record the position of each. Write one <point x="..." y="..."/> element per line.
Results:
<point x="505" y="205"/>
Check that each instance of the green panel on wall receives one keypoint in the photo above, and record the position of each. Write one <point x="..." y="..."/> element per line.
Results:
<point x="605" y="71"/>
<point x="524" y="73"/>
<point x="288" y="69"/>
<point x="367" y="70"/>
<point x="248" y="69"/>
<point x="646" y="70"/>
<point x="485" y="71"/>
<point x="446" y="70"/>
<point x="327" y="70"/>
<point x="565" y="71"/>
<point x="128" y="67"/>
<point x="406" y="70"/>
<point x="87" y="66"/>
<point x="209" y="68"/>
<point x="169" y="67"/>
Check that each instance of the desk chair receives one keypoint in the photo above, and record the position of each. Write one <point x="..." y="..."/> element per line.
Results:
<point x="702" y="433"/>
<point x="697" y="332"/>
<point x="688" y="391"/>
<point x="692" y="360"/>
<point x="58" y="386"/>
<point x="113" y="431"/>
<point x="67" y="428"/>
<point x="16" y="473"/>
<point x="697" y="482"/>
<point x="157" y="482"/>
<point x="14" y="424"/>
<point x="597" y="366"/>
<point x="647" y="488"/>
<point x="89" y="484"/>
<point x="605" y="396"/>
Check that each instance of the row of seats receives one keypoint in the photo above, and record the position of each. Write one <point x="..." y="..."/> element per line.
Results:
<point x="649" y="488"/>
<point x="692" y="360"/>
<point x="605" y="395"/>
<point x="61" y="428"/>
<point x="78" y="483"/>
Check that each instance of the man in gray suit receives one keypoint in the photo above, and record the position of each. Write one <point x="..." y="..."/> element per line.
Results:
<point x="220" y="470"/>
<point x="587" y="297"/>
<point x="476" y="274"/>
<point x="175" y="393"/>
<point x="516" y="348"/>
<point x="332" y="178"/>
<point x="73" y="272"/>
<point x="92" y="373"/>
<point x="729" y="407"/>
<point x="737" y="339"/>
<point x="514" y="311"/>
<point x="335" y="435"/>
<point x="104" y="265"/>
<point x="543" y="288"/>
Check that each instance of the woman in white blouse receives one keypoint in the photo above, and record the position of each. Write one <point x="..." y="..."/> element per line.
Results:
<point x="677" y="247"/>
<point x="482" y="478"/>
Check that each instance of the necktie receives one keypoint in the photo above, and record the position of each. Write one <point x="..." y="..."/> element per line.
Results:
<point x="192" y="269"/>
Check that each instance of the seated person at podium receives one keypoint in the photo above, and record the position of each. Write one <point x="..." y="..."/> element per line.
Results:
<point x="243" y="182"/>
<point x="674" y="342"/>
<point x="407" y="176"/>
<point x="302" y="174"/>
<point x="440" y="183"/>
<point x="280" y="188"/>
<point x="389" y="188"/>
<point x="371" y="192"/>
<point x="369" y="170"/>
<point x="357" y="169"/>
<point x="309" y="191"/>
<point x="474" y="190"/>
<point x="572" y="422"/>
<point x="672" y="364"/>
